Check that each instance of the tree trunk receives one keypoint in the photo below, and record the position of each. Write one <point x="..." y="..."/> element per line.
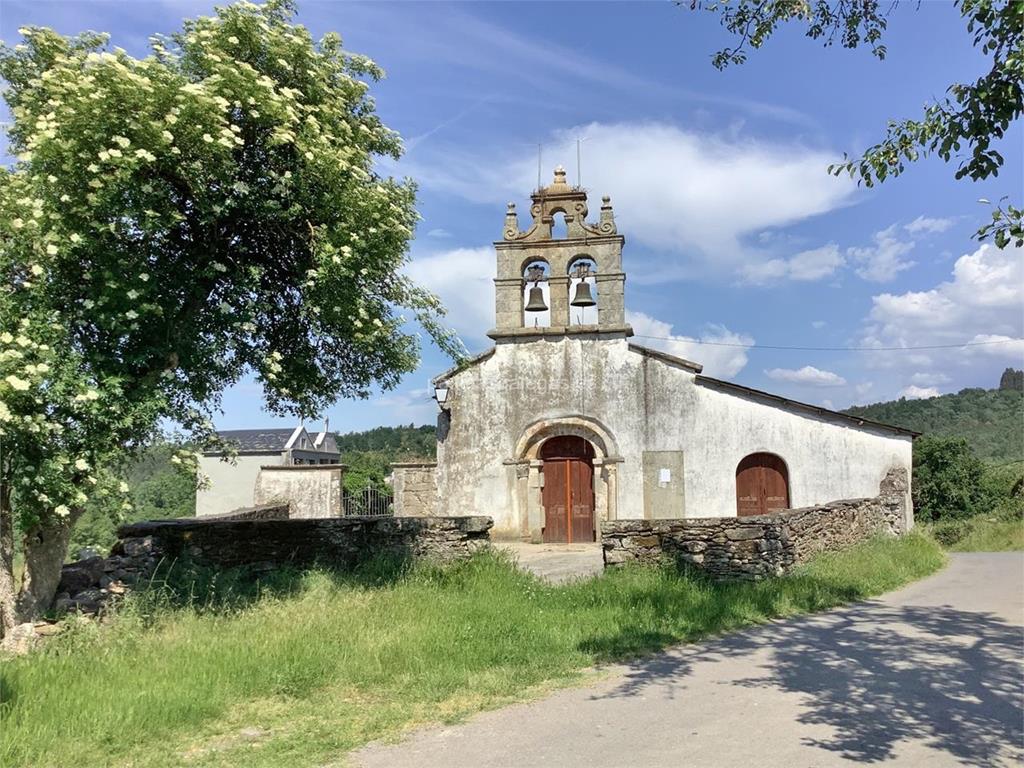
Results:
<point x="46" y="546"/>
<point x="8" y="614"/>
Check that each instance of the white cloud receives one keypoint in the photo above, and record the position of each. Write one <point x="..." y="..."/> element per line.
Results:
<point x="696" y="197"/>
<point x="413" y="407"/>
<point x="439" y="233"/>
<point x="463" y="279"/>
<point x="724" y="361"/>
<point x="919" y="393"/>
<point x="996" y="345"/>
<point x="929" y="379"/>
<point x="808" y="375"/>
<point x="928" y="226"/>
<point x="980" y="303"/>
<point x="882" y="261"/>
<point x="818" y="324"/>
<point x="805" y="266"/>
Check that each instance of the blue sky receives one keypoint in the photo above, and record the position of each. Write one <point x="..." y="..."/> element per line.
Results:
<point x="734" y="231"/>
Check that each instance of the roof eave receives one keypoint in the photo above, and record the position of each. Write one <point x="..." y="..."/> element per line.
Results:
<point x="816" y="409"/>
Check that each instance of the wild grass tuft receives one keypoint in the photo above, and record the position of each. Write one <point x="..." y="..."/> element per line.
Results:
<point x="296" y="669"/>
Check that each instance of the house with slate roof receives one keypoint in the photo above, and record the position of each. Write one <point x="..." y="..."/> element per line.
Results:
<point x="232" y="484"/>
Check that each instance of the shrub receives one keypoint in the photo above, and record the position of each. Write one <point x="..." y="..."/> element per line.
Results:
<point x="949" y="480"/>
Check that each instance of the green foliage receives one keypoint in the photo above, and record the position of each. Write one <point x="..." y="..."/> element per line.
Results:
<point x="370" y="454"/>
<point x="412" y="441"/>
<point x="963" y="124"/>
<point x="176" y="221"/>
<point x="324" y="663"/>
<point x="157" y="489"/>
<point x="990" y="420"/>
<point x="949" y="480"/>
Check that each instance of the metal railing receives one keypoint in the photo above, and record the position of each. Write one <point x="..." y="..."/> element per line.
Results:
<point x="368" y="501"/>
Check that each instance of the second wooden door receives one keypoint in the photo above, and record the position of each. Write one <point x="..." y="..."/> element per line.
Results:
<point x="762" y="485"/>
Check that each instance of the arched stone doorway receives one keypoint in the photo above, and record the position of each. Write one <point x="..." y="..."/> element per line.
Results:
<point x="762" y="485"/>
<point x="568" y="495"/>
<point x="529" y="480"/>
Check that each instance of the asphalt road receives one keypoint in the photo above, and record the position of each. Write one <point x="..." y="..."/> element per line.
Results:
<point x="930" y="675"/>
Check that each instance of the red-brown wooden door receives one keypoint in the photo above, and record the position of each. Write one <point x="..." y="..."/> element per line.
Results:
<point x="568" y="490"/>
<point x="762" y="485"/>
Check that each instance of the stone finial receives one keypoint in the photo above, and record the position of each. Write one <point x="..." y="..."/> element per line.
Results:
<point x="511" y="222"/>
<point x="607" y="223"/>
<point x="559" y="177"/>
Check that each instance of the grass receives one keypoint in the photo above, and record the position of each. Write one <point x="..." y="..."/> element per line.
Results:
<point x="983" y="533"/>
<point x="314" y="665"/>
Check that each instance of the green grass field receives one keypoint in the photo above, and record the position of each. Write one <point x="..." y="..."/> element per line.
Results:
<point x="320" y="663"/>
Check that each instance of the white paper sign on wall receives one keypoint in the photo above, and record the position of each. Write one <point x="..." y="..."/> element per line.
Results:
<point x="664" y="476"/>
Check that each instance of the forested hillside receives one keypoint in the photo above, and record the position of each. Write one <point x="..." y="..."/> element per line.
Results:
<point x="991" y="420"/>
<point x="409" y="441"/>
<point x="369" y="454"/>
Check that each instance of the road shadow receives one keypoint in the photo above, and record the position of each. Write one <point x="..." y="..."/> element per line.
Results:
<point x="877" y="675"/>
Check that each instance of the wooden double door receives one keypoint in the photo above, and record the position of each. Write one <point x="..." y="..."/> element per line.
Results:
<point x="568" y="490"/>
<point x="762" y="485"/>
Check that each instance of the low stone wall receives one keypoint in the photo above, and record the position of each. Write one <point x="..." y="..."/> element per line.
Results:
<point x="311" y="490"/>
<point x="264" y="536"/>
<point x="757" y="547"/>
<point x="415" y="488"/>
<point x="335" y="542"/>
<point x="275" y="511"/>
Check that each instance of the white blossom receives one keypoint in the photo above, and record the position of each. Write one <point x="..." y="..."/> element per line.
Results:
<point x="19" y="384"/>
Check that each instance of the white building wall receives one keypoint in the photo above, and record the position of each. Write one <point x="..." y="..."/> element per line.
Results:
<point x="230" y="486"/>
<point x="646" y="403"/>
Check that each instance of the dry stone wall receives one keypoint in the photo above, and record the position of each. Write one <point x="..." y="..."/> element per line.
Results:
<point x="263" y="536"/>
<point x="334" y="542"/>
<point x="752" y="548"/>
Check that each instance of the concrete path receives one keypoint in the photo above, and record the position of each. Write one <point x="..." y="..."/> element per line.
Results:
<point x="930" y="675"/>
<point x="557" y="562"/>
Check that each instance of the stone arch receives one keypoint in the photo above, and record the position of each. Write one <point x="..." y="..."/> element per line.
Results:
<point x="529" y="501"/>
<point x="587" y="427"/>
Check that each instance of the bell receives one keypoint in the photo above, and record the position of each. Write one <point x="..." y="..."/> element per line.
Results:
<point x="536" y="302"/>
<point x="583" y="297"/>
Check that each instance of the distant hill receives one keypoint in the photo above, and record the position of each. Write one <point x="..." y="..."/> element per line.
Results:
<point x="409" y="442"/>
<point x="369" y="454"/>
<point x="992" y="420"/>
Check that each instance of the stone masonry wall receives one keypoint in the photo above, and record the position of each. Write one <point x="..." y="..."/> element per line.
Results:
<point x="766" y="545"/>
<point x="334" y="542"/>
<point x="415" y="488"/>
<point x="88" y="584"/>
<point x="260" y="535"/>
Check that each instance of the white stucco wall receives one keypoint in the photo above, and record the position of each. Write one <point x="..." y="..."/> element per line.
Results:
<point x="645" y="403"/>
<point x="230" y="485"/>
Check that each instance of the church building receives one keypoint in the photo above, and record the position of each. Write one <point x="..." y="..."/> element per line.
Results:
<point x="566" y="422"/>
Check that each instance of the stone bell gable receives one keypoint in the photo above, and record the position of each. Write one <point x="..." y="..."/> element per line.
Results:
<point x="565" y="425"/>
<point x="595" y="246"/>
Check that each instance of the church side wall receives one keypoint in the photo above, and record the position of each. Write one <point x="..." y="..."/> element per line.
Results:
<point x="646" y="404"/>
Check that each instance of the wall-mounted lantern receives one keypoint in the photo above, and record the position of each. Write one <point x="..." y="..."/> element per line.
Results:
<point x="441" y="395"/>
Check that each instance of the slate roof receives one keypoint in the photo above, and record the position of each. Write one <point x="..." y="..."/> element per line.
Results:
<point x="276" y="440"/>
<point x="258" y="440"/>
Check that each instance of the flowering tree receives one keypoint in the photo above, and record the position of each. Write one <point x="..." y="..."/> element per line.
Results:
<point x="171" y="223"/>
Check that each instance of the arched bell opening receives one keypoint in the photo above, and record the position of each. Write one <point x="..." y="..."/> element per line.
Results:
<point x="536" y="295"/>
<point x="583" y="291"/>
<point x="559" y="226"/>
<point x="568" y="490"/>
